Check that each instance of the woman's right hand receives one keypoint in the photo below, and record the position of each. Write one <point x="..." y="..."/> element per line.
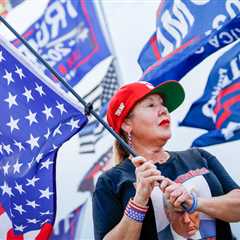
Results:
<point x="147" y="177"/>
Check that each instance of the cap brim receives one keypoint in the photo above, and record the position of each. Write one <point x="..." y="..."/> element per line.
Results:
<point x="172" y="92"/>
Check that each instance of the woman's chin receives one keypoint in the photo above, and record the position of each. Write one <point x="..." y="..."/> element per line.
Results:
<point x="166" y="137"/>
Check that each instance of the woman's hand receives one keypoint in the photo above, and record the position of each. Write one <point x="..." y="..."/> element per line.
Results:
<point x="147" y="177"/>
<point x="176" y="193"/>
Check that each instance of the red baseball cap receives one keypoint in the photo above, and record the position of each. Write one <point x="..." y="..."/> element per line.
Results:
<point x="129" y="94"/>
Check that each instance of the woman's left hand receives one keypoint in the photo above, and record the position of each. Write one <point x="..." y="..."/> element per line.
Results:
<point x="176" y="193"/>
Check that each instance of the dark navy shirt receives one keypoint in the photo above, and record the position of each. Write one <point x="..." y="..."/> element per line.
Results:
<point x="115" y="187"/>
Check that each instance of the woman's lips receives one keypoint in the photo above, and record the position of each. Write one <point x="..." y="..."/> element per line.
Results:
<point x="164" y="123"/>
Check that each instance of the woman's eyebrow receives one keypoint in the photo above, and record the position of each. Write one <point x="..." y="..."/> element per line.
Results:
<point x="150" y="98"/>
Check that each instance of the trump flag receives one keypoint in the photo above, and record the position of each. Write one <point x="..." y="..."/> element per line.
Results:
<point x="187" y="31"/>
<point x="68" y="36"/>
<point x="218" y="110"/>
<point x="36" y="120"/>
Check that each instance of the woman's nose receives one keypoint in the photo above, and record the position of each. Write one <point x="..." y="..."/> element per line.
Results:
<point x="162" y="110"/>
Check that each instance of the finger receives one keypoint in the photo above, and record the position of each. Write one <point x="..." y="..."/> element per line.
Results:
<point x="141" y="175"/>
<point x="138" y="161"/>
<point x="151" y="179"/>
<point x="172" y="187"/>
<point x="164" y="184"/>
<point x="150" y="172"/>
<point x="181" y="199"/>
<point x="145" y="166"/>
<point x="145" y="180"/>
<point x="175" y="194"/>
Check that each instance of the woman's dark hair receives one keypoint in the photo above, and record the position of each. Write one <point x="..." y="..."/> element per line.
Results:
<point x="119" y="153"/>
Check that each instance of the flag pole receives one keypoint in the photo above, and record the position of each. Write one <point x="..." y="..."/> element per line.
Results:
<point x="88" y="106"/>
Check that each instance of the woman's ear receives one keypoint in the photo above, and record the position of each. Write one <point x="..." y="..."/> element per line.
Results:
<point x="126" y="126"/>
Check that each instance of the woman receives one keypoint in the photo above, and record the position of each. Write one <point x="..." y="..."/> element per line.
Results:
<point x="127" y="202"/>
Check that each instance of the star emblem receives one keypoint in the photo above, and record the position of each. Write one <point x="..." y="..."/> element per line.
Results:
<point x="61" y="108"/>
<point x="6" y="189"/>
<point x="73" y="124"/>
<point x="19" y="145"/>
<point x="32" y="181"/>
<point x="5" y="168"/>
<point x="45" y="193"/>
<point x="28" y="94"/>
<point x="8" y="77"/>
<point x="19" y="72"/>
<point x="11" y="100"/>
<point x="57" y="131"/>
<point x="33" y="141"/>
<point x="13" y="124"/>
<point x="19" y="208"/>
<point x="39" y="89"/>
<point x="19" y="188"/>
<point x="19" y="228"/>
<point x="33" y="204"/>
<point x="47" y="134"/>
<point x="46" y="164"/>
<point x="47" y="112"/>
<point x="31" y="117"/>
<point x="7" y="148"/>
<point x="16" y="167"/>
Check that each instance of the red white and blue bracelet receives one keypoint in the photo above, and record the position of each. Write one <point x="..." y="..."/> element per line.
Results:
<point x="135" y="211"/>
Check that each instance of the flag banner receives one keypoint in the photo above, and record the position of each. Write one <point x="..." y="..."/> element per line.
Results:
<point x="88" y="182"/>
<point x="66" y="228"/>
<point x="37" y="118"/>
<point x="99" y="96"/>
<point x="218" y="110"/>
<point x="186" y="33"/>
<point x="68" y="37"/>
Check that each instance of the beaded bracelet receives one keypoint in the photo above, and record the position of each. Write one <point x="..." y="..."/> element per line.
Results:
<point x="194" y="204"/>
<point x="135" y="211"/>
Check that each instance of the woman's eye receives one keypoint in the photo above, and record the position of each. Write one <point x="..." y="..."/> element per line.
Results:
<point x="151" y="105"/>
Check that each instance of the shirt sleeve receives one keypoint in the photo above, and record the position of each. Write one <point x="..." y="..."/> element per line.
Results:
<point x="225" y="179"/>
<point x="107" y="209"/>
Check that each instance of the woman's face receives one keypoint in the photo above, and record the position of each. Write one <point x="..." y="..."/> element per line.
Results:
<point x="150" y="120"/>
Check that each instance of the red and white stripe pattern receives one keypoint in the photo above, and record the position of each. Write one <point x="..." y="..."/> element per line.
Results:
<point x="135" y="211"/>
<point x="8" y="234"/>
